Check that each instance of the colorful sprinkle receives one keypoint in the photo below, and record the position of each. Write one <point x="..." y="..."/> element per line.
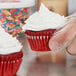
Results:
<point x="13" y="19"/>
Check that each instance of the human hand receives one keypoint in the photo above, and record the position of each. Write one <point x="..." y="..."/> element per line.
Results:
<point x="66" y="37"/>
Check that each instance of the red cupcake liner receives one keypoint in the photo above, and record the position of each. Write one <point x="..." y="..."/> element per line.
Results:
<point x="9" y="64"/>
<point x="39" y="40"/>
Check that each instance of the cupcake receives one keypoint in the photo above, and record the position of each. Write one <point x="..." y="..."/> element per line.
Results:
<point x="13" y="13"/>
<point x="41" y="26"/>
<point x="10" y="54"/>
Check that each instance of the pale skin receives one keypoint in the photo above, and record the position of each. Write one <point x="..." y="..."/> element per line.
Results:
<point x="65" y="35"/>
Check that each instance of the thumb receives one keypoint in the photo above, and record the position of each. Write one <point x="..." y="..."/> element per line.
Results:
<point x="64" y="36"/>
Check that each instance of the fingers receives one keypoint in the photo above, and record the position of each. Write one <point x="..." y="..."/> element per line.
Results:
<point x="71" y="17"/>
<point x="72" y="48"/>
<point x="63" y="36"/>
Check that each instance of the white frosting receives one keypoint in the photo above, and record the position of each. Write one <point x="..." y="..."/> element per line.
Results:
<point x="44" y="19"/>
<point x="8" y="44"/>
<point x="21" y="4"/>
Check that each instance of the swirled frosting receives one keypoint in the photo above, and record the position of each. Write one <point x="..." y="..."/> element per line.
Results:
<point x="44" y="19"/>
<point x="8" y="44"/>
